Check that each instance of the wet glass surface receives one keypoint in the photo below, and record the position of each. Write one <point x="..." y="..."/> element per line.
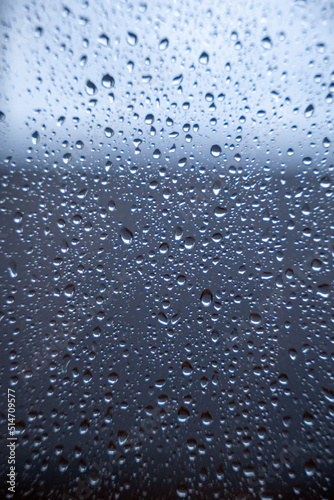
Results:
<point x="167" y="235"/>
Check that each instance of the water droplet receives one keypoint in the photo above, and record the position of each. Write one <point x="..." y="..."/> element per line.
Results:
<point x="187" y="368"/>
<point x="126" y="236"/>
<point x="308" y="419"/>
<point x="108" y="132"/>
<point x="132" y="38"/>
<point x="90" y="88"/>
<point x="111" y="206"/>
<point x="12" y="269"/>
<point x="122" y="437"/>
<point x="149" y="119"/>
<point x="216" y="151"/>
<point x="35" y="138"/>
<point x="63" y="464"/>
<point x="310" y="467"/>
<point x="108" y="81"/>
<point x="204" y="58"/>
<point x="216" y="188"/>
<point x="255" y="318"/>
<point x="316" y="265"/>
<point x="206" y="298"/>
<point x="84" y="426"/>
<point x="113" y="378"/>
<point x="309" y="111"/>
<point x="182" y="490"/>
<point x="325" y="182"/>
<point x="163" y="44"/>
<point x="178" y="233"/>
<point x="177" y="80"/>
<point x="87" y="376"/>
<point x="164" y="248"/>
<point x="266" y="43"/>
<point x="323" y="290"/>
<point x="18" y="217"/>
<point x="326" y="142"/>
<point x="206" y="418"/>
<point x="189" y="242"/>
<point x="103" y="40"/>
<point x="69" y="290"/>
<point x="162" y="318"/>
<point x="183" y="414"/>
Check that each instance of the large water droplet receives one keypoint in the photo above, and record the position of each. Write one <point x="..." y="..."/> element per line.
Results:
<point x="266" y="43"/>
<point x="163" y="44"/>
<point x="132" y="38"/>
<point x="206" y="298"/>
<point x="206" y="418"/>
<point x="126" y="236"/>
<point x="108" y="81"/>
<point x="204" y="58"/>
<point x="309" y="111"/>
<point x="216" y="150"/>
<point x="90" y="88"/>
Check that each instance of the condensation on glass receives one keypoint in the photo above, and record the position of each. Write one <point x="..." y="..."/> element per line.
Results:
<point x="167" y="266"/>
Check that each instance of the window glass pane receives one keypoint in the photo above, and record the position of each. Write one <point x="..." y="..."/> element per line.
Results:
<point x="167" y="266"/>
